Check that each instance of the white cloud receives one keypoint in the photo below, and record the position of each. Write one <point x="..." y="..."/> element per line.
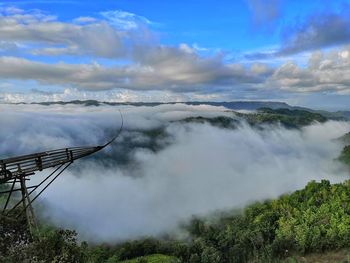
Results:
<point x="326" y="71"/>
<point x="116" y="95"/>
<point x="85" y="36"/>
<point x="125" y="20"/>
<point x="162" y="68"/>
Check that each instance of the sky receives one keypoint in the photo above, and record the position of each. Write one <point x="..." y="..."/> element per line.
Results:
<point x="278" y="50"/>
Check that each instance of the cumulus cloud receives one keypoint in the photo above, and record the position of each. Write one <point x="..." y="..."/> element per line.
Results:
<point x="146" y="64"/>
<point x="326" y="71"/>
<point x="164" y="68"/>
<point x="85" y="36"/>
<point x="85" y="76"/>
<point x="179" y="67"/>
<point x="202" y="170"/>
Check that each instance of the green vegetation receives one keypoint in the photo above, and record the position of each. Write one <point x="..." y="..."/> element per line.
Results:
<point x="154" y="140"/>
<point x="286" y="117"/>
<point x="314" y="219"/>
<point x="18" y="245"/>
<point x="221" y="121"/>
<point x="345" y="155"/>
<point x="78" y="102"/>
<point x="308" y="223"/>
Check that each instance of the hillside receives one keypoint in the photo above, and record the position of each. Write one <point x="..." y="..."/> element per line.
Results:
<point x="302" y="225"/>
<point x="285" y="117"/>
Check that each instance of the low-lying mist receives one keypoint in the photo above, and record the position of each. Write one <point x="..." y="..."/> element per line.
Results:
<point x="202" y="169"/>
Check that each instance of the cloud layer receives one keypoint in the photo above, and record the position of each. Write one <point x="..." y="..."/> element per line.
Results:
<point x="202" y="170"/>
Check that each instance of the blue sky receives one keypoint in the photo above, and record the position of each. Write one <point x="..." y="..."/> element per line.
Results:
<point x="293" y="51"/>
<point x="230" y="25"/>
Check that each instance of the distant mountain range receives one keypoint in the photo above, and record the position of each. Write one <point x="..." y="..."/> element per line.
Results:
<point x="232" y="105"/>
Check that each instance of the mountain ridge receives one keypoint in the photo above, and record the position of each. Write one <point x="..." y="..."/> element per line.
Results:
<point x="231" y="105"/>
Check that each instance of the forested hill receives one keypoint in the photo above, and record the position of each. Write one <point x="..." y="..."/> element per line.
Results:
<point x="285" y="117"/>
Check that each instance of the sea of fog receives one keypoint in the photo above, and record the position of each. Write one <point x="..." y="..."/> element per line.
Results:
<point x="198" y="170"/>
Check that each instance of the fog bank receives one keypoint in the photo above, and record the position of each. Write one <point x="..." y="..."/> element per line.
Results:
<point x="202" y="170"/>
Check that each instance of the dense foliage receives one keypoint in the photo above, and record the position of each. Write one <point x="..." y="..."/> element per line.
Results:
<point x="221" y="121"/>
<point x="316" y="218"/>
<point x="285" y="117"/>
<point x="47" y="245"/>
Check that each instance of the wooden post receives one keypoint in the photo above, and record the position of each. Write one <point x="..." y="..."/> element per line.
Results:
<point x="27" y="206"/>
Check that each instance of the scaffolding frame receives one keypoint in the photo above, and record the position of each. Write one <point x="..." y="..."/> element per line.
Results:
<point x="16" y="171"/>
